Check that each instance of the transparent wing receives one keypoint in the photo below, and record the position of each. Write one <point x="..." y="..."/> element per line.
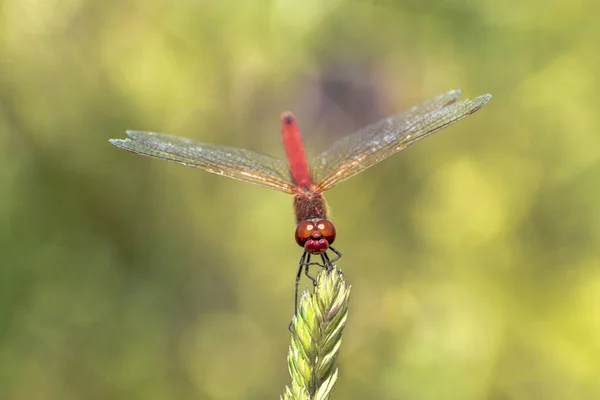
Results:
<point x="242" y="164"/>
<point x="365" y="148"/>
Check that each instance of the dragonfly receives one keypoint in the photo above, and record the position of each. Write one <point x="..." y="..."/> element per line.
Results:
<point x="307" y="180"/>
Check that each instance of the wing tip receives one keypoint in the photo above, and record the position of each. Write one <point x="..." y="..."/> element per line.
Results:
<point x="483" y="99"/>
<point x="480" y="101"/>
<point x="451" y="96"/>
<point x="117" y="142"/>
<point x="125" y="144"/>
<point x="134" y="134"/>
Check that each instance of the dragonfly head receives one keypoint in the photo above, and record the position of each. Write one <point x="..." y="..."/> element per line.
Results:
<point x="315" y="235"/>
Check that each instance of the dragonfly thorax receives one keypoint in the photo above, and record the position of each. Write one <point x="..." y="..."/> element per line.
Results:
<point x="309" y="205"/>
<point x="315" y="235"/>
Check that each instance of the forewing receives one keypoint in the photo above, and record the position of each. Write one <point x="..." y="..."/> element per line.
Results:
<point x="365" y="148"/>
<point x="431" y="104"/>
<point x="242" y="164"/>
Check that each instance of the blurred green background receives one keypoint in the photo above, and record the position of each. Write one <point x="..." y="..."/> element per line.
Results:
<point x="473" y="255"/>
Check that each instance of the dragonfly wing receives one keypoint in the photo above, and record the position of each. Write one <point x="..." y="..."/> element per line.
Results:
<point x="431" y="104"/>
<point x="236" y="163"/>
<point x="365" y="148"/>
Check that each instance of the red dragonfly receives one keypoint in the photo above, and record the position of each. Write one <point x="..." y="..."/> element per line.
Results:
<point x="305" y="180"/>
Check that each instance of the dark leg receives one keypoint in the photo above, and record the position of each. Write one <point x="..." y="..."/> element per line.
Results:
<point x="326" y="262"/>
<point x="308" y="264"/>
<point x="329" y="262"/>
<point x="305" y="263"/>
<point x="298" y="275"/>
<point x="338" y="255"/>
<point x="305" y="255"/>
<point x="322" y="265"/>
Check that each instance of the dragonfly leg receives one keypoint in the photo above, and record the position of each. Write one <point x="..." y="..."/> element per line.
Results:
<point x="324" y="264"/>
<point x="338" y="255"/>
<point x="305" y="263"/>
<point x="329" y="262"/>
<point x="306" y="266"/>
<point x="301" y="265"/>
<point x="303" y="260"/>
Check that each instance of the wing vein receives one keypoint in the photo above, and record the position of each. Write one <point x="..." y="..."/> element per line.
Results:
<point x="367" y="147"/>
<point x="236" y="163"/>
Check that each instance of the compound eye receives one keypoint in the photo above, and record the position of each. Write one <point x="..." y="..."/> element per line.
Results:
<point x="326" y="229"/>
<point x="303" y="232"/>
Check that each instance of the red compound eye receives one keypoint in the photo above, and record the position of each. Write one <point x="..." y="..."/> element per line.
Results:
<point x="303" y="232"/>
<point x="326" y="229"/>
